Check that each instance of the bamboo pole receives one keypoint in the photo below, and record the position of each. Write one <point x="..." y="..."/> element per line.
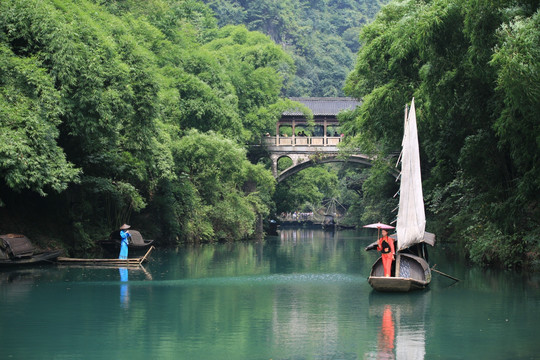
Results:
<point x="147" y="253"/>
<point x="100" y="265"/>
<point x="443" y="274"/>
<point x="105" y="261"/>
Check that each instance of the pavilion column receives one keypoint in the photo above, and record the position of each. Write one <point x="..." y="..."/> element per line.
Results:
<point x="293" y="133"/>
<point x="325" y="141"/>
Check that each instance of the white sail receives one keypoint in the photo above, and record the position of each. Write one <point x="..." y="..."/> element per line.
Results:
<point x="411" y="219"/>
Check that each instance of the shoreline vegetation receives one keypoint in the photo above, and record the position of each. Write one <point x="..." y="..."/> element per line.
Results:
<point x="142" y="112"/>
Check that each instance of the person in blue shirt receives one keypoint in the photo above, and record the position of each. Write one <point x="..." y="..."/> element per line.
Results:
<point x="124" y="235"/>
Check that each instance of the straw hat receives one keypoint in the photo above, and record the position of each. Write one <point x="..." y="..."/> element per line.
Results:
<point x="124" y="227"/>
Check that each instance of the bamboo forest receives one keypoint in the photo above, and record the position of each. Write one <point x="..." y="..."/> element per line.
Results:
<point x="151" y="113"/>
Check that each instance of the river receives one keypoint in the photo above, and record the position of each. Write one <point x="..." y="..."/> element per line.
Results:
<point x="300" y="295"/>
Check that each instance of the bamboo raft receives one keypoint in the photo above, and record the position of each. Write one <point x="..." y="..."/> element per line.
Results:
<point x="130" y="262"/>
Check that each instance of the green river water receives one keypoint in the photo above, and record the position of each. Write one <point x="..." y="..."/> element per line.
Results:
<point x="300" y="295"/>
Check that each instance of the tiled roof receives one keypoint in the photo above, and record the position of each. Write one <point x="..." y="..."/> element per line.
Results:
<point x="324" y="106"/>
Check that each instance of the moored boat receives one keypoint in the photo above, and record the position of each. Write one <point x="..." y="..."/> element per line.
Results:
<point x="410" y="270"/>
<point x="18" y="250"/>
<point x="137" y="244"/>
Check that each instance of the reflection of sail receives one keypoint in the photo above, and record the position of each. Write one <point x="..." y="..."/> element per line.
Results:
<point x="411" y="342"/>
<point x="402" y="334"/>
<point x="124" y="290"/>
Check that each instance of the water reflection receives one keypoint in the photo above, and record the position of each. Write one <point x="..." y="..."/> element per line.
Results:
<point x="386" y="335"/>
<point x="124" y="288"/>
<point x="295" y="235"/>
<point x="16" y="285"/>
<point x="304" y="235"/>
<point x="300" y="295"/>
<point x="402" y="332"/>
<point x="309" y="238"/>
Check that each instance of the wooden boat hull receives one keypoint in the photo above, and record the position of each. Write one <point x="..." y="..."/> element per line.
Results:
<point x="396" y="284"/>
<point x="44" y="257"/>
<point x="18" y="250"/>
<point x="113" y="247"/>
<point x="137" y="245"/>
<point x="413" y="273"/>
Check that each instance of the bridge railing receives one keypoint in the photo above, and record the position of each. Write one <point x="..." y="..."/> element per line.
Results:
<point x="302" y="140"/>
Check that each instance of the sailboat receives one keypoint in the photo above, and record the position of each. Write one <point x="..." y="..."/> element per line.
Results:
<point x="410" y="270"/>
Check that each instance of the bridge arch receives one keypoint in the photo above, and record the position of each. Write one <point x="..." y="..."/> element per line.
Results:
<point x="284" y="156"/>
<point x="313" y="161"/>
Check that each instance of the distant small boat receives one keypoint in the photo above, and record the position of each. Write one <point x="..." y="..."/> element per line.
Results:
<point x="410" y="270"/>
<point x="137" y="245"/>
<point x="17" y="250"/>
<point x="329" y="223"/>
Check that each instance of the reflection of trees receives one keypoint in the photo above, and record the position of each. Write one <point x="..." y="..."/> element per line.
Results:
<point x="302" y="316"/>
<point x="294" y="235"/>
<point x="220" y="260"/>
<point x="315" y="250"/>
<point x="297" y="249"/>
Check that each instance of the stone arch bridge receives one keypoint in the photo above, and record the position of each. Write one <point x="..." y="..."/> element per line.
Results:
<point x="309" y="143"/>
<point x="304" y="156"/>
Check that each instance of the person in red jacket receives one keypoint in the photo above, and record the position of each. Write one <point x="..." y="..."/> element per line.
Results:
<point x="386" y="247"/>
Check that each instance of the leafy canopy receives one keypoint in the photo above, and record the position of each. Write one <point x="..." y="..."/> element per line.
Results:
<point x="472" y="67"/>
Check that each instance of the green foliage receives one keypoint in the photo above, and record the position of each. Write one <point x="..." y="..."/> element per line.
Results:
<point x="227" y="192"/>
<point x="104" y="91"/>
<point x="183" y="21"/>
<point x="517" y="61"/>
<point x="321" y="36"/>
<point x="117" y="108"/>
<point x="30" y="157"/>
<point x="488" y="245"/>
<point x="378" y="191"/>
<point x="310" y="186"/>
<point x="472" y="67"/>
<point x="284" y="163"/>
<point x="120" y="196"/>
<point x="255" y="67"/>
